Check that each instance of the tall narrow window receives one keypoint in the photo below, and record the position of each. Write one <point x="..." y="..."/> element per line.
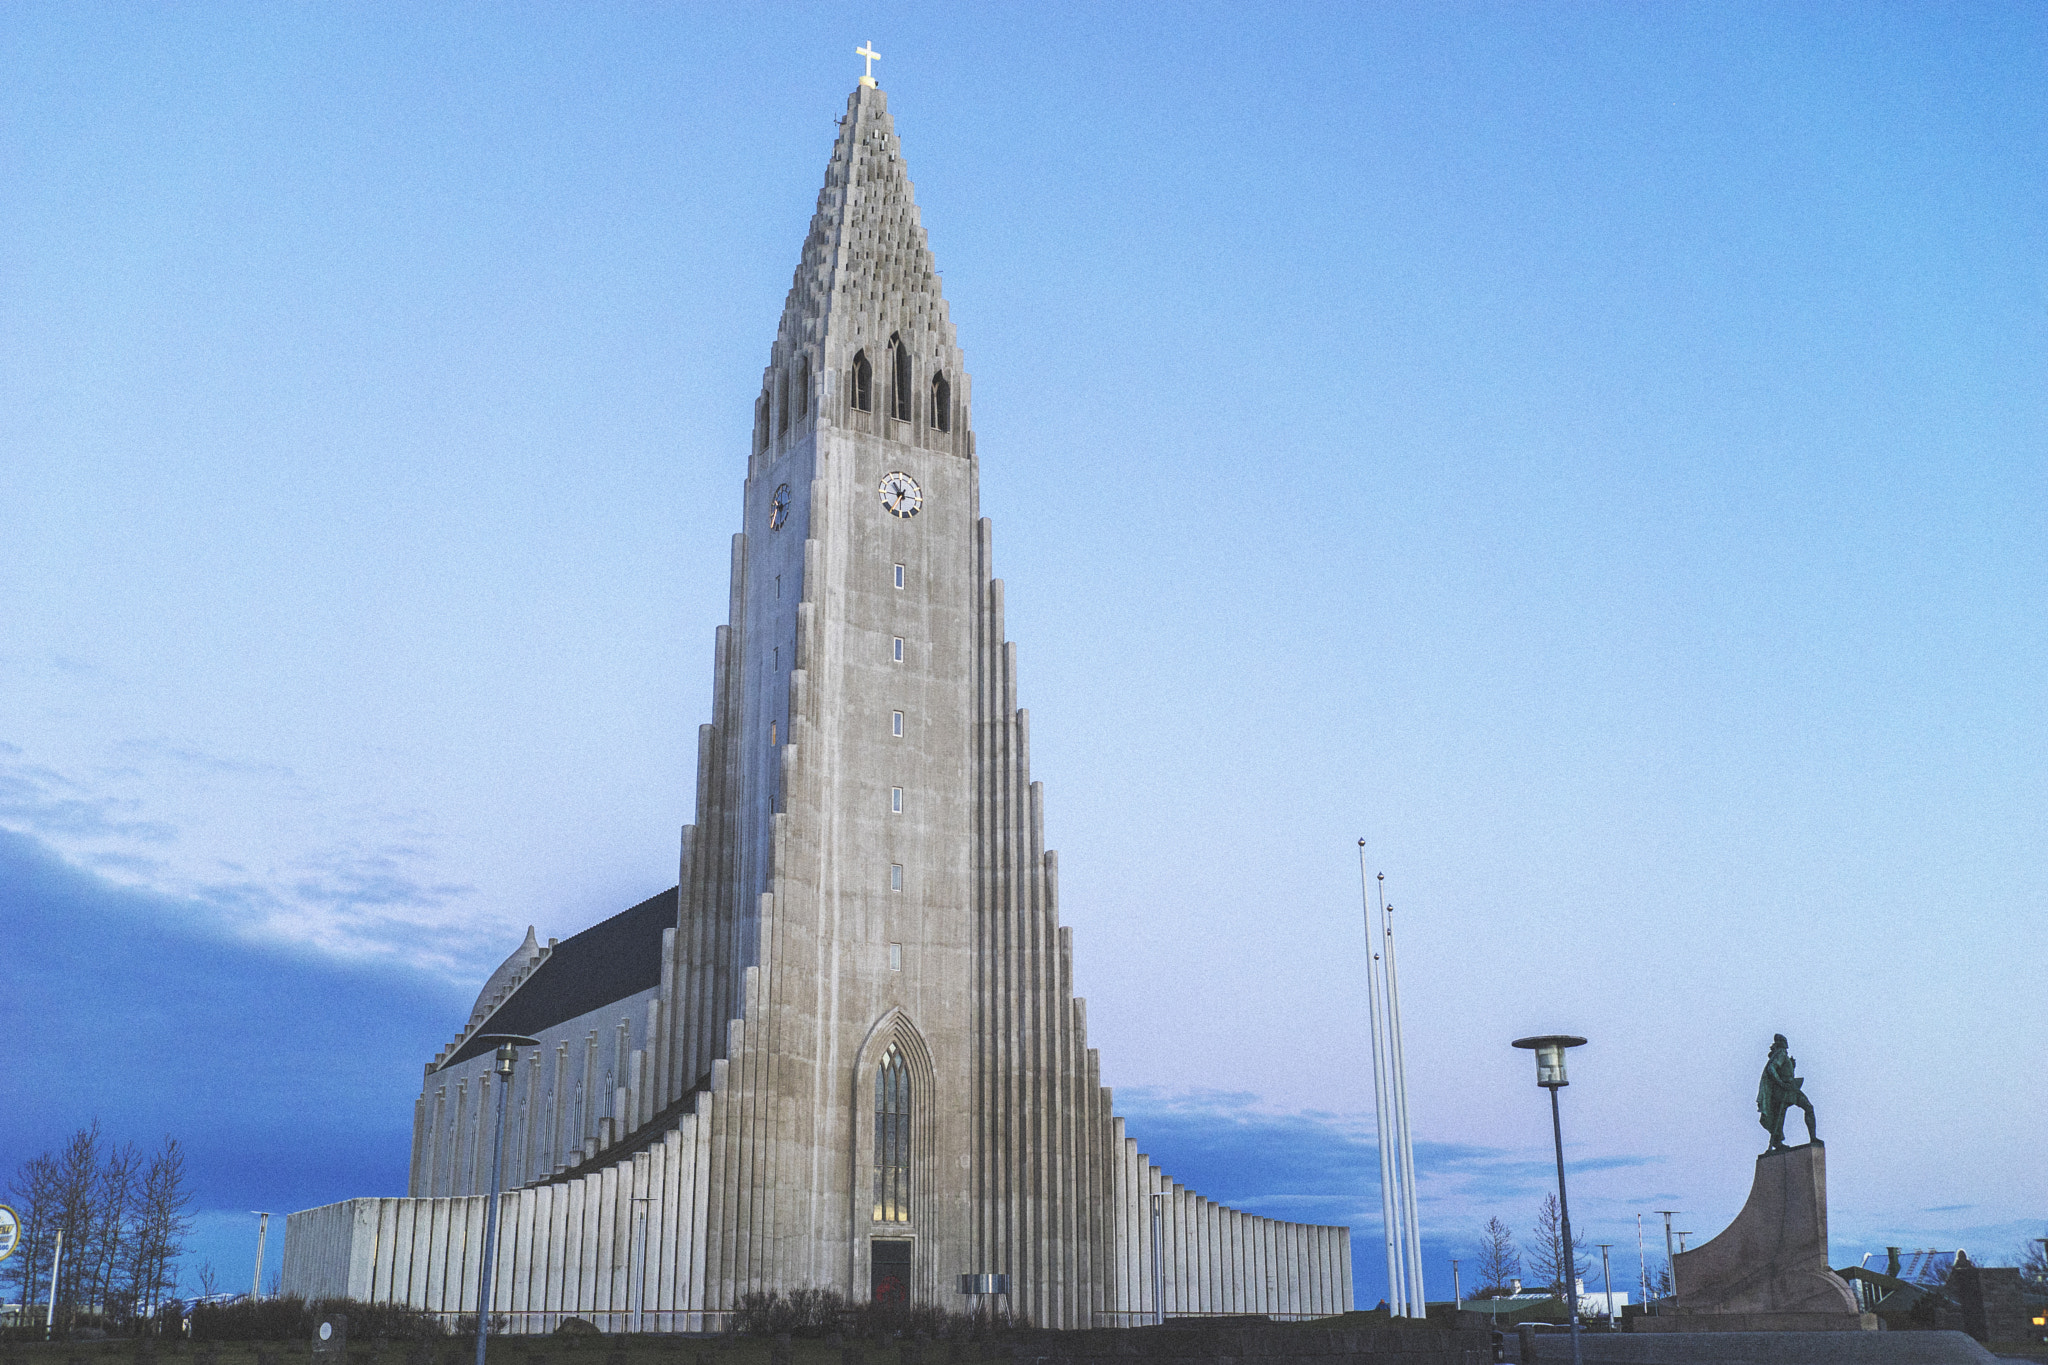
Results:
<point x="860" y="388"/>
<point x="899" y="649"/>
<point x="892" y="1139"/>
<point x="781" y="402"/>
<point x="803" y="387"/>
<point x="895" y="800"/>
<point x="773" y="731"/>
<point x="899" y="372"/>
<point x="899" y="575"/>
<point x="942" y="403"/>
<point x="761" y="421"/>
<point x="896" y="724"/>
<point x="895" y="876"/>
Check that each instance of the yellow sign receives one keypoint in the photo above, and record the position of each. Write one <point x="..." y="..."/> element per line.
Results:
<point x="10" y="1231"/>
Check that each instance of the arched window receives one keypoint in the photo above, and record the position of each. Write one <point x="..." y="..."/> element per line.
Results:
<point x="942" y="403"/>
<point x="892" y="1139"/>
<point x="861" y="392"/>
<point x="899" y="356"/>
<point x="803" y="388"/>
<point x="782" y="402"/>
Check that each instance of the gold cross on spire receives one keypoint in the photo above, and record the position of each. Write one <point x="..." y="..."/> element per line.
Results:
<point x="867" y="50"/>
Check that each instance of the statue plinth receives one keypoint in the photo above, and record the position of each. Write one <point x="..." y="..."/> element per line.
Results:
<point x="1769" y="1270"/>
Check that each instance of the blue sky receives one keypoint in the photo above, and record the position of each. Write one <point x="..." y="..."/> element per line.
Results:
<point x="1596" y="453"/>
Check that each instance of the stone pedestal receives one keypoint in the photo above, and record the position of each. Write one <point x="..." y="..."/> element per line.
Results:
<point x="1769" y="1269"/>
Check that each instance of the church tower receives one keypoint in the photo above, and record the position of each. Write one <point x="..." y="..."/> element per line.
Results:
<point x="845" y="1051"/>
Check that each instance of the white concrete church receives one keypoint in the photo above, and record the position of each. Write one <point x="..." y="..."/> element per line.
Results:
<point x="844" y="1051"/>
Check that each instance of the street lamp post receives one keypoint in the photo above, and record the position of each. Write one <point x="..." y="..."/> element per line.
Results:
<point x="1670" y="1257"/>
<point x="1607" y="1282"/>
<point x="262" y="1231"/>
<point x="1550" y="1049"/>
<point x="1457" y="1289"/>
<point x="502" y="1065"/>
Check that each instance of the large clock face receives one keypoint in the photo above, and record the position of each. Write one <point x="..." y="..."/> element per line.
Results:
<point x="778" y="508"/>
<point x="901" y="495"/>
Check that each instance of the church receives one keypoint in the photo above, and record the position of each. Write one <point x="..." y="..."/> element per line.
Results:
<point x="844" y="1051"/>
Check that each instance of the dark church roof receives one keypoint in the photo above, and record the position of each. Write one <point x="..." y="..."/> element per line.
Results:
<point x="608" y="961"/>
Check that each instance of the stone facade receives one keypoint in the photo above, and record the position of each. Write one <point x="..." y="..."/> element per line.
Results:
<point x="864" y="1038"/>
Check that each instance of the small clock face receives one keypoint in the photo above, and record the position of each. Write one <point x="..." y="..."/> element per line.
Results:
<point x="901" y="495"/>
<point x="778" y="508"/>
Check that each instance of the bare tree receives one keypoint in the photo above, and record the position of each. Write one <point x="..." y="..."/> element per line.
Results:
<point x="2034" y="1263"/>
<point x="1497" y="1259"/>
<point x="1546" y="1253"/>
<point x="209" y="1282"/>
<point x="115" y="1206"/>
<point x="158" y="1239"/>
<point x="76" y="1215"/>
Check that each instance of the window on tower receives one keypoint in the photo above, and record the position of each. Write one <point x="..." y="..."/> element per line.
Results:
<point x="942" y="403"/>
<point x="892" y="1135"/>
<point x="782" y="402"/>
<point x="895" y="876"/>
<point x="803" y="387"/>
<point x="896" y="724"/>
<point x="761" y="421"/>
<point x="860" y="389"/>
<point x="899" y="364"/>
<point x="898" y="656"/>
<point x="895" y="800"/>
<point x="899" y="575"/>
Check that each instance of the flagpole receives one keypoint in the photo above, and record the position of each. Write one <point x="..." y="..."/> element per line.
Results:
<point x="1379" y="1093"/>
<point x="1408" y="1213"/>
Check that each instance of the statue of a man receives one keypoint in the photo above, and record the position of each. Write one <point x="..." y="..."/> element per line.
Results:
<point x="1779" y="1091"/>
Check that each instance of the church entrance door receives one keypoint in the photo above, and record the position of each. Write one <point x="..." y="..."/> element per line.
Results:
<point x="889" y="1270"/>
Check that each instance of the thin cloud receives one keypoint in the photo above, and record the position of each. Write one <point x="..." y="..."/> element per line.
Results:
<point x="42" y="801"/>
<point x="365" y="890"/>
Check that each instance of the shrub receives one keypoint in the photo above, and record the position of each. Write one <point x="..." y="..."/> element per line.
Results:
<point x="291" y="1318"/>
<point x="808" y="1312"/>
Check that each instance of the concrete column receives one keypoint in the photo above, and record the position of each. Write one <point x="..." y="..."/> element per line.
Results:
<point x="471" y="1212"/>
<point x="555" y="1202"/>
<point x="535" y="1118"/>
<point x="665" y="1231"/>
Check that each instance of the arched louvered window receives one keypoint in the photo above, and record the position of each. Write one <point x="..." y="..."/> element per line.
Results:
<point x="899" y="357"/>
<point x="942" y="403"/>
<point x="861" y="391"/>
<point x="892" y="1139"/>
<point x="781" y="402"/>
<point x="803" y="388"/>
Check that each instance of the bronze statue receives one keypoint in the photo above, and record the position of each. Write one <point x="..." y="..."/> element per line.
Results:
<point x="1779" y="1091"/>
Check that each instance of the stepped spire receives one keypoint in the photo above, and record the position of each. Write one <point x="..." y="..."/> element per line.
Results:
<point x="866" y="273"/>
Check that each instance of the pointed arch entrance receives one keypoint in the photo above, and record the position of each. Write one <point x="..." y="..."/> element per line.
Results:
<point x="894" y="1140"/>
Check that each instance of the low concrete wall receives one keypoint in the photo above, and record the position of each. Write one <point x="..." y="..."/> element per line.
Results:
<point x="1211" y="1345"/>
<point x="1761" y="1348"/>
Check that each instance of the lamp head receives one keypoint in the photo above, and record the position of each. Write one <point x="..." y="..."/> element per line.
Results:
<point x="508" y="1049"/>
<point x="1549" y="1049"/>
